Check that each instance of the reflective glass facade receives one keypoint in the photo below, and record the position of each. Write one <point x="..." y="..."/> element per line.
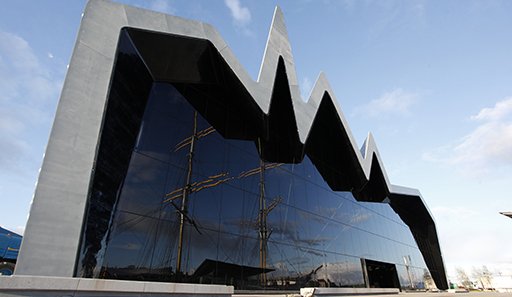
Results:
<point x="245" y="222"/>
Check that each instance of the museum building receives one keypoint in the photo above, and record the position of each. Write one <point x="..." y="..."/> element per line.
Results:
<point x="168" y="163"/>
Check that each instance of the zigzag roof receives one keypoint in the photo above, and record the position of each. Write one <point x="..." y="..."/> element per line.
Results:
<point x="364" y="174"/>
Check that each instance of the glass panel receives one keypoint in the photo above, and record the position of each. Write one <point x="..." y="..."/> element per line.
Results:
<point x="173" y="200"/>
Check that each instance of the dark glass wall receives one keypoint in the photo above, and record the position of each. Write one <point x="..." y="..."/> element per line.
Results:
<point x="316" y="236"/>
<point x="247" y="222"/>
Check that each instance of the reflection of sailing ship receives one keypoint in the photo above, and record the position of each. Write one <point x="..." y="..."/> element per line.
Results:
<point x="159" y="249"/>
<point x="213" y="181"/>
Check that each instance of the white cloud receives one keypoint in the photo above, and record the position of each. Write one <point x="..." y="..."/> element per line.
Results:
<point x="468" y="247"/>
<point x="397" y="102"/>
<point x="487" y="148"/>
<point x="490" y="142"/>
<point x="305" y="88"/>
<point x="21" y="73"/>
<point x="241" y="15"/>
<point x="472" y="236"/>
<point x="161" y="6"/>
<point x="500" y="110"/>
<point x="19" y="230"/>
<point x="27" y="89"/>
<point x="454" y="212"/>
<point x="13" y="148"/>
<point x="349" y="5"/>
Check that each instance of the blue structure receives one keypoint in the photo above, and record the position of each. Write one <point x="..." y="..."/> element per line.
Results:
<point x="9" y="246"/>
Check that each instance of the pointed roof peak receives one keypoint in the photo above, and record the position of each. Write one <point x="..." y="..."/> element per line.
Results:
<point x="278" y="22"/>
<point x="368" y="143"/>
<point x="278" y="11"/>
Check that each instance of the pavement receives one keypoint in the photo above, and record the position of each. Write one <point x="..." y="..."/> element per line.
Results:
<point x="448" y="294"/>
<point x="401" y="294"/>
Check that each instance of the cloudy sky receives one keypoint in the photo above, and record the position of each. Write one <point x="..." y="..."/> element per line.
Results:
<point x="432" y="80"/>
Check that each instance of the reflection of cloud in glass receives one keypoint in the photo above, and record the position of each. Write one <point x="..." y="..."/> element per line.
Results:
<point x="298" y="260"/>
<point x="291" y="233"/>
<point x="289" y="267"/>
<point x="360" y="217"/>
<point x="312" y="252"/>
<point x="145" y="168"/>
<point x="128" y="246"/>
<point x="340" y="274"/>
<point x="312" y="217"/>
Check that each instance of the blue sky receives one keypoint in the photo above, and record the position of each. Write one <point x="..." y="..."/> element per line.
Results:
<point x="432" y="80"/>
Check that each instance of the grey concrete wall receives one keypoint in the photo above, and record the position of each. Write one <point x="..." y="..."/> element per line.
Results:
<point x="52" y="234"/>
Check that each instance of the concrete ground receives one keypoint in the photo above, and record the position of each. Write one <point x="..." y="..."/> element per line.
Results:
<point x="447" y="294"/>
<point x="401" y="294"/>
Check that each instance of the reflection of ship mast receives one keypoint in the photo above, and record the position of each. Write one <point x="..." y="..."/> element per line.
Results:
<point x="264" y="233"/>
<point x="212" y="181"/>
<point x="262" y="225"/>
<point x="264" y="210"/>
<point x="407" y="261"/>
<point x="186" y="190"/>
<point x="189" y="187"/>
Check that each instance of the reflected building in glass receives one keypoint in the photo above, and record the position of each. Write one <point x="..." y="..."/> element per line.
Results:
<point x="193" y="179"/>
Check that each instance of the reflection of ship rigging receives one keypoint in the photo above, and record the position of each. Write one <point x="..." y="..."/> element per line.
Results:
<point x="213" y="181"/>
<point x="264" y="210"/>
